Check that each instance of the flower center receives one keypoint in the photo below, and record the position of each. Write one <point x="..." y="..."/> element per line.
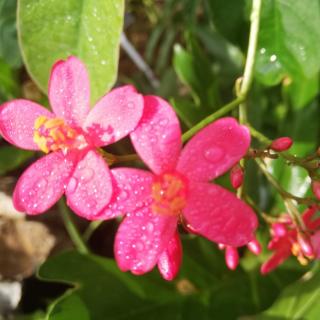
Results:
<point x="169" y="193"/>
<point x="54" y="134"/>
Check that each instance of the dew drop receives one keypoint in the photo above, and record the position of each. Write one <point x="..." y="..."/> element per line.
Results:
<point x="273" y="58"/>
<point x="150" y="227"/>
<point x="214" y="154"/>
<point x="87" y="174"/>
<point x="163" y="122"/>
<point x="42" y="183"/>
<point x="130" y="105"/>
<point x="72" y="186"/>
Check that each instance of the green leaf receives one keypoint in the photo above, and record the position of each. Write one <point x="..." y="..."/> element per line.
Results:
<point x="298" y="301"/>
<point x="9" y="49"/>
<point x="8" y="82"/>
<point x="50" y="30"/>
<point x="288" y="40"/>
<point x="12" y="158"/>
<point x="102" y="291"/>
<point x="228" y="18"/>
<point x="195" y="71"/>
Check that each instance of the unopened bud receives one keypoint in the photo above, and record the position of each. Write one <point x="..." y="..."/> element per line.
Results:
<point x="278" y="230"/>
<point x="281" y="144"/>
<point x="316" y="188"/>
<point x="236" y="176"/>
<point x="254" y="246"/>
<point x="305" y="245"/>
<point x="232" y="258"/>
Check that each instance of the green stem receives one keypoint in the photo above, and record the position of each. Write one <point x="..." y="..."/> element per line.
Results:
<point x="71" y="228"/>
<point x="252" y="48"/>
<point x="285" y="194"/>
<point x="222" y="111"/>
<point x="93" y="226"/>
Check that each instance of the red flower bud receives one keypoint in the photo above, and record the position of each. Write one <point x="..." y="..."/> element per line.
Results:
<point x="254" y="246"/>
<point x="232" y="258"/>
<point x="305" y="244"/>
<point x="236" y="176"/>
<point x="316" y="188"/>
<point x="281" y="144"/>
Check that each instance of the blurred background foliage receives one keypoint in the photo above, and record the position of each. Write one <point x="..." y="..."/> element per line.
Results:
<point x="196" y="51"/>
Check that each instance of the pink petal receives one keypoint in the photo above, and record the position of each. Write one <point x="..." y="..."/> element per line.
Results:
<point x="131" y="192"/>
<point x="214" y="150"/>
<point x="90" y="187"/>
<point x="157" y="139"/>
<point x="219" y="215"/>
<point x="69" y="91"/>
<point x="274" y="261"/>
<point x="141" y="239"/>
<point x="170" y="260"/>
<point x="315" y="240"/>
<point x="17" y="119"/>
<point x="43" y="183"/>
<point x="114" y="116"/>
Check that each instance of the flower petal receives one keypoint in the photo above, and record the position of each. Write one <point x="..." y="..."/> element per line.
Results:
<point x="43" y="183"/>
<point x="131" y="192"/>
<point x="90" y="187"/>
<point x="219" y="215"/>
<point x="157" y="138"/>
<point x="114" y="116"/>
<point x="69" y="91"/>
<point x="275" y="260"/>
<point x="214" y="150"/>
<point x="17" y="119"/>
<point x="170" y="260"/>
<point x="141" y="238"/>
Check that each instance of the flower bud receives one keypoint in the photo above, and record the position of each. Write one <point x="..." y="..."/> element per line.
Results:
<point x="281" y="144"/>
<point x="305" y="245"/>
<point x="316" y="188"/>
<point x="232" y="258"/>
<point x="236" y="176"/>
<point x="254" y="246"/>
<point x="278" y="230"/>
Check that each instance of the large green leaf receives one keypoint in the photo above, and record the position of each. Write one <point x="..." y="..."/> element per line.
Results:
<point x="9" y="50"/>
<point x="298" y="301"/>
<point x="288" y="40"/>
<point x="50" y="30"/>
<point x="11" y="158"/>
<point x="203" y="289"/>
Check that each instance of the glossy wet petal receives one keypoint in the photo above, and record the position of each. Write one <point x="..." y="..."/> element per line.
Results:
<point x="131" y="192"/>
<point x="157" y="139"/>
<point x="17" y="119"/>
<point x="114" y="116"/>
<point x="90" y="187"/>
<point x="43" y="183"/>
<point x="69" y="91"/>
<point x="214" y="150"/>
<point x="141" y="238"/>
<point x="219" y="215"/>
<point x="170" y="260"/>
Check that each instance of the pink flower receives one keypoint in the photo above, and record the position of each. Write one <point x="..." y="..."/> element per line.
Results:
<point x="70" y="135"/>
<point x="177" y="188"/>
<point x="287" y="240"/>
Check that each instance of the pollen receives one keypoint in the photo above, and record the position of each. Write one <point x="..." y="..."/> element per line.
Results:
<point x="54" y="134"/>
<point x="168" y="194"/>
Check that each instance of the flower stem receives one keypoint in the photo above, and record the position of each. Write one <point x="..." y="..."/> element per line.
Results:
<point x="71" y="228"/>
<point x="222" y="111"/>
<point x="251" y="57"/>
<point x="278" y="187"/>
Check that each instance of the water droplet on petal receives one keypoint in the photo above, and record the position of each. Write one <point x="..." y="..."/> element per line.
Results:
<point x="72" y="186"/>
<point x="87" y="174"/>
<point x="214" y="154"/>
<point x="42" y="183"/>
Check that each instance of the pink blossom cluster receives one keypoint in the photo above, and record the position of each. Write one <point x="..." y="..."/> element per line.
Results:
<point x="176" y="188"/>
